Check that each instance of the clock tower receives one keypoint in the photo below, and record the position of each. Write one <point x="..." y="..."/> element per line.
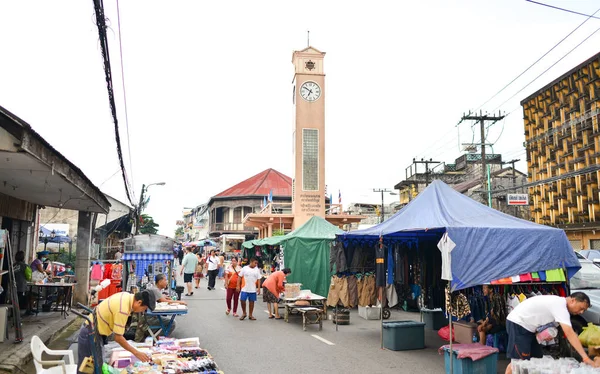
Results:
<point x="309" y="135"/>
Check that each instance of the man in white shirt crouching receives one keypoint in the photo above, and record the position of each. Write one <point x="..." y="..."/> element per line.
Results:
<point x="522" y="324"/>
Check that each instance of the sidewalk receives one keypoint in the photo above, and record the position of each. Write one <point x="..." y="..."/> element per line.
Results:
<point x="45" y="325"/>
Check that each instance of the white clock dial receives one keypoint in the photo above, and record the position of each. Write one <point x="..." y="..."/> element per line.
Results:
<point x="310" y="91"/>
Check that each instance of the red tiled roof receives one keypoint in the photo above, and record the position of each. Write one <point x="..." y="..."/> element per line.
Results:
<point x="261" y="184"/>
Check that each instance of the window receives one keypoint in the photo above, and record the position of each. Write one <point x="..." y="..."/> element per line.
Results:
<point x="310" y="159"/>
<point x="576" y="244"/>
<point x="237" y="215"/>
<point x="594" y="244"/>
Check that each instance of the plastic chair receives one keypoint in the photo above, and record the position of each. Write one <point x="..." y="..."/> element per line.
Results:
<point x="38" y="347"/>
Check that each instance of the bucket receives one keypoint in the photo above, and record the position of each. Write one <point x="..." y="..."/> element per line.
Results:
<point x="342" y="317"/>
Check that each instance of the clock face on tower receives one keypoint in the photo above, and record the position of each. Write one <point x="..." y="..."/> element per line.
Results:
<point x="310" y="91"/>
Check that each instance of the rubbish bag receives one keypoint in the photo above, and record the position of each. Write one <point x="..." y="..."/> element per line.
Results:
<point x="590" y="337"/>
<point x="444" y="333"/>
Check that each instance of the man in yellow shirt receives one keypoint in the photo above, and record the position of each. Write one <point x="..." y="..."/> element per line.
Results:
<point x="112" y="315"/>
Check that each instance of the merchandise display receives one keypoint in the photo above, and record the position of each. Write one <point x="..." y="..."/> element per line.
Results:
<point x="168" y="356"/>
<point x="548" y="365"/>
<point x="292" y="290"/>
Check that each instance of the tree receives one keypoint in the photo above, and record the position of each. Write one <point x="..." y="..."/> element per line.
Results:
<point x="179" y="232"/>
<point x="147" y="225"/>
<point x="279" y="232"/>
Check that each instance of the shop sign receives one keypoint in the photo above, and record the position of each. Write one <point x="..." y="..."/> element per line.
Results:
<point x="517" y="199"/>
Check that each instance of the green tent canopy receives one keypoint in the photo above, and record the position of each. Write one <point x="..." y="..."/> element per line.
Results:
<point x="306" y="251"/>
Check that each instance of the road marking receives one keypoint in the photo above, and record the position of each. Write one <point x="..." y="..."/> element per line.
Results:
<point x="323" y="340"/>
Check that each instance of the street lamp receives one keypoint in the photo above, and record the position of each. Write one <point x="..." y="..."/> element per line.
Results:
<point x="382" y="190"/>
<point x="140" y="206"/>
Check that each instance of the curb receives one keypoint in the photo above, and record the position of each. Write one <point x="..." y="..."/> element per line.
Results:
<point x="20" y="354"/>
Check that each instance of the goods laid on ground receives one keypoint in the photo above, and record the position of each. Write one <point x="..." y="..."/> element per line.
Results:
<point x="168" y="356"/>
<point x="548" y="365"/>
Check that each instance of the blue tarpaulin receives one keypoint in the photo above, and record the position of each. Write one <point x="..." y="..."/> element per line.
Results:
<point x="489" y="244"/>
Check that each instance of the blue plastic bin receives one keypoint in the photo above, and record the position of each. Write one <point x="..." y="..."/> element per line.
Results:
<point x="486" y="365"/>
<point x="403" y="335"/>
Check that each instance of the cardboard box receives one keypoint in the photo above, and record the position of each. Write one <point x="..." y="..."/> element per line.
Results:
<point x="369" y="312"/>
<point x="464" y="332"/>
<point x="594" y="351"/>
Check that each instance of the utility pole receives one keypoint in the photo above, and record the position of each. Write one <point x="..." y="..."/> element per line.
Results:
<point x="481" y="118"/>
<point x="138" y="211"/>
<point x="426" y="162"/>
<point x="382" y="190"/>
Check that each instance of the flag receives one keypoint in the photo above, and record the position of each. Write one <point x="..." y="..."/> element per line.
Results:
<point x="340" y="197"/>
<point x="264" y="203"/>
<point x="271" y="195"/>
<point x="330" y="198"/>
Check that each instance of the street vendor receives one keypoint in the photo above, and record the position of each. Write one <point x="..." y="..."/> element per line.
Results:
<point x="112" y="315"/>
<point x="272" y="288"/>
<point x="491" y="324"/>
<point x="160" y="283"/>
<point x="528" y="317"/>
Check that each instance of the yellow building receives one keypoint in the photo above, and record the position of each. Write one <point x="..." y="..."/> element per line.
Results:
<point x="563" y="153"/>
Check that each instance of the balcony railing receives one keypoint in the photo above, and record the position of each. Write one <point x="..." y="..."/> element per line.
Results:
<point x="230" y="227"/>
<point x="286" y="208"/>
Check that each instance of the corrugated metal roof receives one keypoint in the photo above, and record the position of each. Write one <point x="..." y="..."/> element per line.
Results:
<point x="261" y="184"/>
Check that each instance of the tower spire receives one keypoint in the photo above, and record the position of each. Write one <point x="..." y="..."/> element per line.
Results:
<point x="308" y="38"/>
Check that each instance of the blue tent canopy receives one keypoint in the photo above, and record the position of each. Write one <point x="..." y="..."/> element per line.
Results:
<point x="489" y="244"/>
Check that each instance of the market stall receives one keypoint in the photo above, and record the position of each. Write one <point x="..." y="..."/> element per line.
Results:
<point x="456" y="239"/>
<point x="146" y="256"/>
<point x="306" y="251"/>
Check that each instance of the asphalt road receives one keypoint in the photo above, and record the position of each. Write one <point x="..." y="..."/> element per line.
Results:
<point x="274" y="346"/>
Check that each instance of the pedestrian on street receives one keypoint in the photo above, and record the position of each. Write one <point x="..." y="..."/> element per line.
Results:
<point x="221" y="265"/>
<point x="160" y="284"/>
<point x="198" y="274"/>
<point x="523" y="322"/>
<point x="250" y="276"/>
<point x="187" y="269"/>
<point x="272" y="288"/>
<point x="231" y="280"/>
<point x="112" y="315"/>
<point x="213" y="269"/>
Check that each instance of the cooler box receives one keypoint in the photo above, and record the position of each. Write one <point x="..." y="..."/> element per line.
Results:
<point x="463" y="332"/>
<point x="434" y="319"/>
<point x="403" y="335"/>
<point x="485" y="365"/>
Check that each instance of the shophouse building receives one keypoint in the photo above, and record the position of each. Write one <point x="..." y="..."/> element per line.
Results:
<point x="464" y="175"/>
<point x="562" y="140"/>
<point x="227" y="209"/>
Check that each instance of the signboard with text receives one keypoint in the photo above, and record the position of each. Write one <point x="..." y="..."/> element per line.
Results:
<point x="517" y="199"/>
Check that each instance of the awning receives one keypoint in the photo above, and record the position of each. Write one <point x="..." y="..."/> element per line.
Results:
<point x="33" y="171"/>
<point x="149" y="256"/>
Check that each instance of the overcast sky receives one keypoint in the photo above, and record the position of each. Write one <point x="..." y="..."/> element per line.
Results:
<point x="209" y="88"/>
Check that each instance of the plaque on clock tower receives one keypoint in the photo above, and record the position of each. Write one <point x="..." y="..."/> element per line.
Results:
<point x="309" y="135"/>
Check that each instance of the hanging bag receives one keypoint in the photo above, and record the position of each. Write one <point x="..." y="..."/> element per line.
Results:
<point x="28" y="273"/>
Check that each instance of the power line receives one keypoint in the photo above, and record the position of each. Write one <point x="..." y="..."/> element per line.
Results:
<point x="563" y="9"/>
<point x="124" y="95"/>
<point x="101" y="23"/>
<point x="551" y="66"/>
<point x="538" y="60"/>
<point x="109" y="178"/>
